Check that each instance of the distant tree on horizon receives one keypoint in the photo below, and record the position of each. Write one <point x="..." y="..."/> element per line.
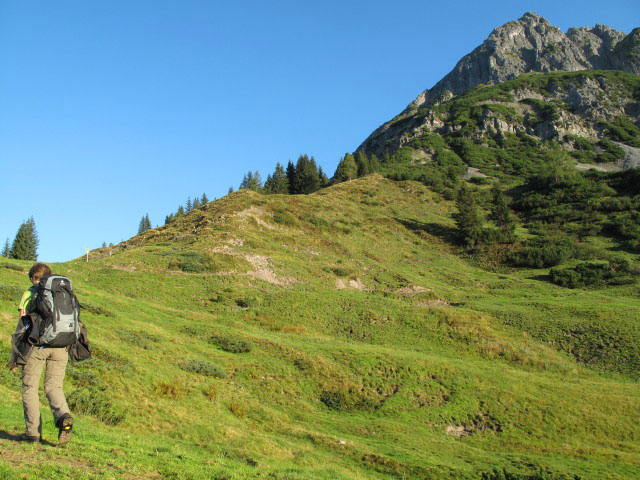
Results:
<point x="25" y="244"/>
<point x="278" y="183"/>
<point x="252" y="181"/>
<point x="6" y="249"/>
<point x="189" y="206"/>
<point x="196" y="203"/>
<point x="145" y="224"/>
<point x="204" y="200"/>
<point x="230" y="190"/>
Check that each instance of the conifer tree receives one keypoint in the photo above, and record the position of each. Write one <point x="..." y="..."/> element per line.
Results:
<point x="6" y="249"/>
<point x="180" y="211"/>
<point x="196" y="203"/>
<point x="247" y="181"/>
<point x="189" y="205"/>
<point x="363" y="164"/>
<point x="374" y="163"/>
<point x="468" y="217"/>
<point x="346" y="169"/>
<point x="230" y="190"/>
<point x="291" y="178"/>
<point x="204" y="200"/>
<point x="25" y="244"/>
<point x="306" y="178"/>
<point x="278" y="183"/>
<point x="256" y="186"/>
<point x="147" y="222"/>
<point x="324" y="180"/>
<point x="501" y="214"/>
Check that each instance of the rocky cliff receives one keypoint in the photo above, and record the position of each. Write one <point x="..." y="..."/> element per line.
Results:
<point x="530" y="44"/>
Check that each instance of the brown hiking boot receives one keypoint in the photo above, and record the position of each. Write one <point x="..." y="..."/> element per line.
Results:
<point x="65" y="427"/>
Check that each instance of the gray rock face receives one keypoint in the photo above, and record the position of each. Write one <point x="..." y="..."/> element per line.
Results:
<point x="533" y="45"/>
<point x="530" y="44"/>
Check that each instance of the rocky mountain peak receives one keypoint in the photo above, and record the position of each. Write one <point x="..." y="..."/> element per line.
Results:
<point x="532" y="44"/>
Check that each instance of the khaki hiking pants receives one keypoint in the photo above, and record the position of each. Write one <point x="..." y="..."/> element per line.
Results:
<point x="56" y="360"/>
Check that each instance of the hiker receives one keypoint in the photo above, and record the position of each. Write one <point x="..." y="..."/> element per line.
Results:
<point x="35" y="344"/>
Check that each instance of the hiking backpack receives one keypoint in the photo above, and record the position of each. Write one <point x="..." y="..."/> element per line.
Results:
<point x="60" y="312"/>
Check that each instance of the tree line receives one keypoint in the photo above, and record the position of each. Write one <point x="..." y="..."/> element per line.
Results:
<point x="305" y="176"/>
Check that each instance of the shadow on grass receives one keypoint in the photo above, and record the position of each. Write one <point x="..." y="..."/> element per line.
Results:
<point x="4" y="435"/>
<point x="541" y="278"/>
<point x="444" y="232"/>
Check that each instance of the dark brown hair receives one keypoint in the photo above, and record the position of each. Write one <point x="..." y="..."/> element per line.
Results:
<point x="39" y="270"/>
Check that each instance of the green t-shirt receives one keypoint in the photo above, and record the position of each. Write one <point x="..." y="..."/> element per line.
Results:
<point x="26" y="303"/>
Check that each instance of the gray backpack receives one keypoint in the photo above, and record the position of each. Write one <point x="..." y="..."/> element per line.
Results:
<point x="60" y="312"/>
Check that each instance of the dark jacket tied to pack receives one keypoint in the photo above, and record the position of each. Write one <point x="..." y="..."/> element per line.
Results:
<point x="54" y="323"/>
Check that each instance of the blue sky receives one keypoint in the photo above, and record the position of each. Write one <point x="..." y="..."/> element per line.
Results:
<point x="114" y="109"/>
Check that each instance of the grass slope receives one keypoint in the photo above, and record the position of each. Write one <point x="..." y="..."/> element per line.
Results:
<point x="332" y="336"/>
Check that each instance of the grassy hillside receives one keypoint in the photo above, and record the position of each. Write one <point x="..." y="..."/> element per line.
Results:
<point x="339" y="336"/>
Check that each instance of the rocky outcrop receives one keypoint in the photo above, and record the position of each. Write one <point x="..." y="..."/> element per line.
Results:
<point x="530" y="44"/>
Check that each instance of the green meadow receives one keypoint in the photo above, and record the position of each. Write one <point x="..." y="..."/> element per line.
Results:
<point x="337" y="335"/>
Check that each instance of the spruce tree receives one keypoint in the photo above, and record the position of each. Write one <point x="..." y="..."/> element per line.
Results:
<point x="374" y="163"/>
<point x="230" y="190"/>
<point x="141" y="226"/>
<point x="180" y="211"/>
<point x="324" y="180"/>
<point x="256" y="186"/>
<point x="204" y="200"/>
<point x="363" y="164"/>
<point x="196" y="203"/>
<point x="291" y="178"/>
<point x="6" y="249"/>
<point x="468" y="217"/>
<point x="25" y="245"/>
<point x="189" y="205"/>
<point x="147" y="222"/>
<point x="307" y="179"/>
<point x="501" y="215"/>
<point x="346" y="170"/>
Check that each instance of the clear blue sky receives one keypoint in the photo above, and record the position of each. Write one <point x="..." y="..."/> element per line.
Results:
<point x="113" y="109"/>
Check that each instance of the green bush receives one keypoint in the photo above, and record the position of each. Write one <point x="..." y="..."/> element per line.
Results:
<point x="229" y="344"/>
<point x="203" y="368"/>
<point x="284" y="218"/>
<point x="94" y="402"/>
<point x="11" y="266"/>
<point x="11" y="293"/>
<point x="588" y="274"/>
<point x="539" y="252"/>
<point x="192" y="262"/>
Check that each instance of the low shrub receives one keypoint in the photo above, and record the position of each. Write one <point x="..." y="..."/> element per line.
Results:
<point x="540" y="252"/>
<point x="284" y="218"/>
<point x="238" y="409"/>
<point x="95" y="402"/>
<point x="229" y="344"/>
<point x="203" y="368"/>
<point x="589" y="274"/>
<point x="168" y="390"/>
<point x="192" y="262"/>
<point x="11" y="293"/>
<point x="95" y="310"/>
<point x="11" y="266"/>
